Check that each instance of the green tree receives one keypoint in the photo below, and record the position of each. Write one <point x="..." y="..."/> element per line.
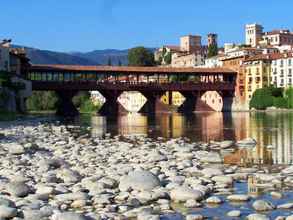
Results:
<point x="140" y="56"/>
<point x="42" y="101"/>
<point x="289" y="97"/>
<point x="280" y="102"/>
<point x="261" y="99"/>
<point x="212" y="50"/>
<point x="168" y="58"/>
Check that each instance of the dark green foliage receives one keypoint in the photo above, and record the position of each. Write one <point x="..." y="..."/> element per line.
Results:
<point x="212" y="50"/>
<point x="140" y="56"/>
<point x="87" y="107"/>
<point x="168" y="58"/>
<point x="289" y="97"/>
<point x="42" y="101"/>
<point x="180" y="78"/>
<point x="261" y="99"/>
<point x="280" y="102"/>
<point x="80" y="98"/>
<point x="276" y="92"/>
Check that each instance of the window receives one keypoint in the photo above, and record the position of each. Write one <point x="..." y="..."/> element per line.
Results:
<point x="282" y="72"/>
<point x="289" y="62"/>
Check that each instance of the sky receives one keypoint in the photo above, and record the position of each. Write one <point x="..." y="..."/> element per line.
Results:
<point x="86" y="25"/>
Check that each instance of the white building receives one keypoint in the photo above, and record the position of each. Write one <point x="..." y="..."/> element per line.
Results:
<point x="187" y="60"/>
<point x="213" y="62"/>
<point x="282" y="70"/>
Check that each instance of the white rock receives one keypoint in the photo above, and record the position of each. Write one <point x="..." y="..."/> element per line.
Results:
<point x="262" y="205"/>
<point x="183" y="193"/>
<point x="257" y="217"/>
<point x="238" y="198"/>
<point x="234" y="213"/>
<point x="7" y="212"/>
<point x="139" y="180"/>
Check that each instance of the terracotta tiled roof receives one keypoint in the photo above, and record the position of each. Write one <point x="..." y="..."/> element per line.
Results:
<point x="272" y="56"/>
<point x="130" y="69"/>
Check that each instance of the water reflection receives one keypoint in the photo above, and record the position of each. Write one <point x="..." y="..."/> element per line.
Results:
<point x="273" y="131"/>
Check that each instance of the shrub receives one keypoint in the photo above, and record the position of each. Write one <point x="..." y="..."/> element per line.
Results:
<point x="261" y="99"/>
<point x="289" y="97"/>
<point x="280" y="102"/>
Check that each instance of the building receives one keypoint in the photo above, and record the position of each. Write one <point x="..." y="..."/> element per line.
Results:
<point x="5" y="55"/>
<point x="132" y="101"/>
<point x="186" y="60"/>
<point x="161" y="53"/>
<point x="282" y="70"/>
<point x="257" y="71"/>
<point x="253" y="34"/>
<point x="190" y="43"/>
<point x="213" y="62"/>
<point x="278" y="37"/>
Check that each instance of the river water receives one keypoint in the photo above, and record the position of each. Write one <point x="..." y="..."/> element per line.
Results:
<point x="273" y="131"/>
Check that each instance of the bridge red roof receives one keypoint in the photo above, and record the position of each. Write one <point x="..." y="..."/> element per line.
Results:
<point x="131" y="69"/>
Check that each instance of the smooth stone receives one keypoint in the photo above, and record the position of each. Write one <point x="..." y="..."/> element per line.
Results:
<point x="262" y="205"/>
<point x="285" y="206"/>
<point x="234" y="213"/>
<point x="238" y="198"/>
<point x="248" y="142"/>
<point x="191" y="203"/>
<point x="18" y="189"/>
<point x="184" y="193"/>
<point x="68" y="216"/>
<point x="7" y="212"/>
<point x="257" y="217"/>
<point x="194" y="217"/>
<point x="139" y="180"/>
<point x="276" y="195"/>
<point x="226" y="144"/>
<point x="214" y="200"/>
<point x="223" y="179"/>
<point x="14" y="148"/>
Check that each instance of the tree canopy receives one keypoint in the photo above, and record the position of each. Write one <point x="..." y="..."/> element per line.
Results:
<point x="212" y="50"/>
<point x="140" y="56"/>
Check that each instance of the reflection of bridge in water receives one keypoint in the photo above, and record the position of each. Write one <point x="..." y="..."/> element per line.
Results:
<point x="152" y="82"/>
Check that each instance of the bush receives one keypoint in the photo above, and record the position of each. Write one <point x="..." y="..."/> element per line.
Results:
<point x="88" y="107"/>
<point x="261" y="99"/>
<point x="280" y="102"/>
<point x="289" y="97"/>
<point x="42" y="101"/>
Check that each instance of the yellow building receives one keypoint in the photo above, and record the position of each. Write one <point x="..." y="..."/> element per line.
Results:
<point x="257" y="71"/>
<point x="177" y="99"/>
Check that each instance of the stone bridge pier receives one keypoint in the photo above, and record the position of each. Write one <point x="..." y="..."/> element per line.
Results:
<point x="153" y="103"/>
<point x="111" y="107"/>
<point x="65" y="106"/>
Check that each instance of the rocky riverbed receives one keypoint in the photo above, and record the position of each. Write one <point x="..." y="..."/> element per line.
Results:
<point x="47" y="171"/>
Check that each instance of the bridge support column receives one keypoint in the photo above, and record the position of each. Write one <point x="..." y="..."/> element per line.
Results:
<point x="65" y="105"/>
<point x="189" y="105"/>
<point x="154" y="104"/>
<point x="111" y="107"/>
<point x="228" y="98"/>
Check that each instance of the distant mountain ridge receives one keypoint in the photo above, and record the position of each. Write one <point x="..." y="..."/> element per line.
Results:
<point x="96" y="57"/>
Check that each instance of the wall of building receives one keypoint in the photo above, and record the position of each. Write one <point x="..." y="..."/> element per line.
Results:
<point x="282" y="72"/>
<point x="4" y="58"/>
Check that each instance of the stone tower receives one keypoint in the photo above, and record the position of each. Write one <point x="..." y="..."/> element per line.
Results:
<point x="212" y="39"/>
<point x="253" y="34"/>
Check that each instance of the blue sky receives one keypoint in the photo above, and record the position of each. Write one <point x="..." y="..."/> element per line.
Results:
<point x="85" y="25"/>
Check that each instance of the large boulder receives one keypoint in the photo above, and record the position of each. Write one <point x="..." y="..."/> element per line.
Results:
<point x="184" y="193"/>
<point x="18" y="189"/>
<point x="7" y="212"/>
<point x="262" y="205"/>
<point x="139" y="180"/>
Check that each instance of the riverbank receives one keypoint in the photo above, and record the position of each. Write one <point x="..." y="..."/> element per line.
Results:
<point x="49" y="171"/>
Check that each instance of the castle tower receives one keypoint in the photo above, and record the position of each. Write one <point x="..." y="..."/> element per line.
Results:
<point x="190" y="43"/>
<point x="253" y="34"/>
<point x="212" y="39"/>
